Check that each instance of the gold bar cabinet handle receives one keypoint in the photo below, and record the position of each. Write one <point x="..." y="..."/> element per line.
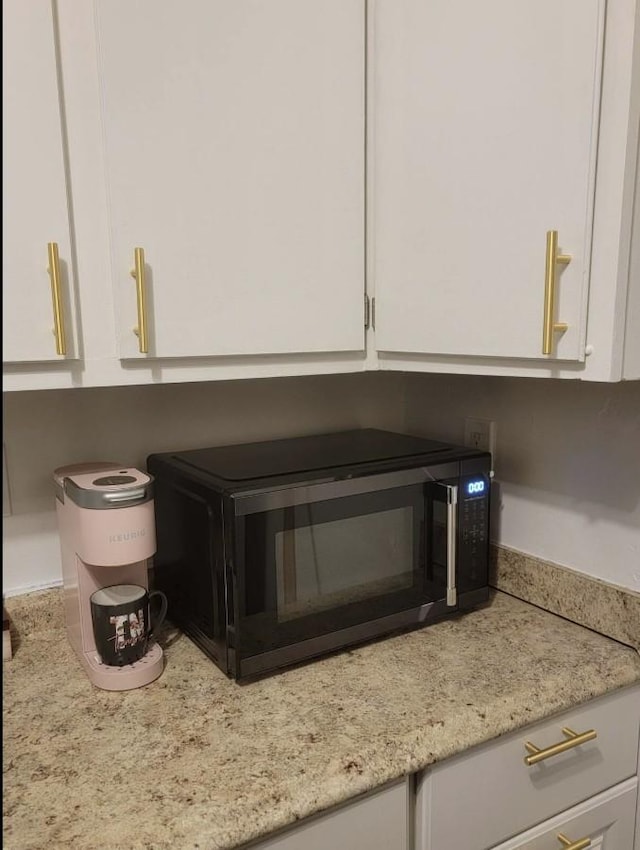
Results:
<point x="138" y="274"/>
<point x="574" y="739"/>
<point x="568" y="844"/>
<point x="553" y="259"/>
<point x="56" y="294"/>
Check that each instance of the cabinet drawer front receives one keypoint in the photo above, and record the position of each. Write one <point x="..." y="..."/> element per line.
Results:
<point x="489" y="794"/>
<point x="607" y="820"/>
<point x="378" y="821"/>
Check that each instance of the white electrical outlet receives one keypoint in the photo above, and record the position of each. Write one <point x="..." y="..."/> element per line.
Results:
<point x="6" y="496"/>
<point x="480" y="434"/>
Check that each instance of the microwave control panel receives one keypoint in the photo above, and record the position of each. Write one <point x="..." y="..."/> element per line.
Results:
<point x="473" y="496"/>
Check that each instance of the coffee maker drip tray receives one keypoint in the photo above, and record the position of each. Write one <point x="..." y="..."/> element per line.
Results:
<point x="125" y="678"/>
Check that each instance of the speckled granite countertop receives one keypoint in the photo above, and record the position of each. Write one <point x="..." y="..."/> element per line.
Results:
<point x="196" y="761"/>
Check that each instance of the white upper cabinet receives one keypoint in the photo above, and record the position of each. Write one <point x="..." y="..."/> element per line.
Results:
<point x="494" y="126"/>
<point x="34" y="202"/>
<point x="221" y="147"/>
<point x="485" y="121"/>
<point x="234" y="157"/>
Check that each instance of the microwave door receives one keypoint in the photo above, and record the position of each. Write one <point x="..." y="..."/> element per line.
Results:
<point x="323" y="565"/>
<point x="442" y="538"/>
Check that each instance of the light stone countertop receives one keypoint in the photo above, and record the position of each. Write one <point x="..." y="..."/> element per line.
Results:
<point x="196" y="762"/>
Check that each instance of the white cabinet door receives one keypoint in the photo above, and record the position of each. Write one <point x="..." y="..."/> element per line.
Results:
<point x="34" y="199"/>
<point x="605" y="822"/>
<point x="234" y="147"/>
<point x="485" y="119"/>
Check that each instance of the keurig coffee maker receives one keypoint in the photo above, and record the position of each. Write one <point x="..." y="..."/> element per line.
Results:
<point x="107" y="534"/>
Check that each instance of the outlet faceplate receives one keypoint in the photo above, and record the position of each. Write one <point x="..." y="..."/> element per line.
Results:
<point x="480" y="434"/>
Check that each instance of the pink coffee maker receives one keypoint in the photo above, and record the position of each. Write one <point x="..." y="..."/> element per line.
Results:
<point x="107" y="533"/>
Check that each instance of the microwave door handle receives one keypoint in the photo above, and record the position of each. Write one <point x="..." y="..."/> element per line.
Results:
<point x="452" y="541"/>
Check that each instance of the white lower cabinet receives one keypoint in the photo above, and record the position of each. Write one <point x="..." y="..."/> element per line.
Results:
<point x="604" y="822"/>
<point x="583" y="788"/>
<point x="379" y="821"/>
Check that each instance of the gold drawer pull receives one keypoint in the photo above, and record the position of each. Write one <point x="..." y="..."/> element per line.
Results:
<point x="567" y="844"/>
<point x="574" y="739"/>
<point x="56" y="294"/>
<point x="138" y="274"/>
<point x="553" y="258"/>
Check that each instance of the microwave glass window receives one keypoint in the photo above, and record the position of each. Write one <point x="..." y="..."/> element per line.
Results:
<point x="329" y="564"/>
<point x="315" y="568"/>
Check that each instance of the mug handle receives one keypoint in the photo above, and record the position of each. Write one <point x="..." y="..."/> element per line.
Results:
<point x="159" y="620"/>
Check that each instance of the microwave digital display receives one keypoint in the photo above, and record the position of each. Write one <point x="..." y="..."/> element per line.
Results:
<point x="476" y="487"/>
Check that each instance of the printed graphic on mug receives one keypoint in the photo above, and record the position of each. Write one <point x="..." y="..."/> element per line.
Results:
<point x="129" y="628"/>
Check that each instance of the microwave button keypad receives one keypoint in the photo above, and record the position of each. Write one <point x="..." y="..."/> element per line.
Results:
<point x="474" y="524"/>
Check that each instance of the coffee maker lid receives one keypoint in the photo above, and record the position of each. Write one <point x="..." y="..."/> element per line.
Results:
<point x="62" y="472"/>
<point x="108" y="487"/>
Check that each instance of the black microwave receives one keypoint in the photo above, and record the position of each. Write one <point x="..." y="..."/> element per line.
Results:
<point x="275" y="552"/>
